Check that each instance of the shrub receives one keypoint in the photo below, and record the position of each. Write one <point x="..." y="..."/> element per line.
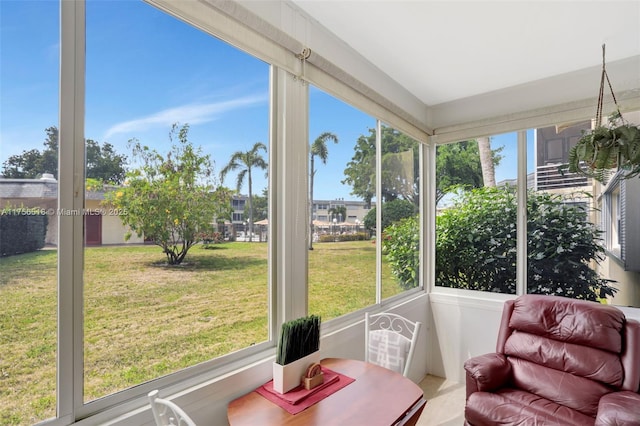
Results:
<point x="476" y="242"/>
<point x="392" y="211"/>
<point x="401" y="243"/>
<point x="562" y="246"/>
<point x="22" y="230"/>
<point x="330" y="238"/>
<point x="209" y="238"/>
<point x="476" y="245"/>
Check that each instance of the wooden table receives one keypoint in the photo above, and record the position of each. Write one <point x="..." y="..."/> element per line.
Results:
<point x="377" y="397"/>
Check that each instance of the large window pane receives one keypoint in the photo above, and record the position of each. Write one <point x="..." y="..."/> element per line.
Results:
<point x="591" y="233"/>
<point x="400" y="227"/>
<point x="617" y="215"/>
<point x="28" y="205"/>
<point x="342" y="262"/>
<point x="563" y="245"/>
<point x="190" y="114"/>
<point x="476" y="217"/>
<point x="580" y="232"/>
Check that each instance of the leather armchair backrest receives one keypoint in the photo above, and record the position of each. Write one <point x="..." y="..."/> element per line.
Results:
<point x="566" y="350"/>
<point x="569" y="320"/>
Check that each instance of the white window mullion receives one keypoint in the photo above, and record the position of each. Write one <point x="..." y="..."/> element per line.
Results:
<point x="70" y="207"/>
<point x="378" y="211"/>
<point x="291" y="195"/>
<point x="428" y="214"/>
<point x="521" y="221"/>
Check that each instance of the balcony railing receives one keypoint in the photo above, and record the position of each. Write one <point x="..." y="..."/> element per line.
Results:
<point x="550" y="177"/>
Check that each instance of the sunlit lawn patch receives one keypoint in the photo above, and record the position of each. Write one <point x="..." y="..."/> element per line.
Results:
<point x="143" y="320"/>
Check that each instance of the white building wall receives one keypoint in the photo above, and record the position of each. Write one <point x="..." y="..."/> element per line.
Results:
<point x="113" y="231"/>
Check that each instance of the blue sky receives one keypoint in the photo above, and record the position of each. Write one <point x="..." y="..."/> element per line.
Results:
<point x="145" y="71"/>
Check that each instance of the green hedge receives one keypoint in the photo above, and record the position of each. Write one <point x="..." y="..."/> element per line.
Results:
<point x="401" y="244"/>
<point x="476" y="245"/>
<point x="330" y="238"/>
<point x="22" y="230"/>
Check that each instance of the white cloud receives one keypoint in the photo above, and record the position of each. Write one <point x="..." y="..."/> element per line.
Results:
<point x="191" y="114"/>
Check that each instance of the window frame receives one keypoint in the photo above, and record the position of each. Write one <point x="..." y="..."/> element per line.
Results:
<point x="287" y="298"/>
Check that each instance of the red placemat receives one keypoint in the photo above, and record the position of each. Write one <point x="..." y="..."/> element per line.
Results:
<point x="299" y="399"/>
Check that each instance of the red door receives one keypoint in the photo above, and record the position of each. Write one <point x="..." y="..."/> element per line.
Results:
<point x="92" y="229"/>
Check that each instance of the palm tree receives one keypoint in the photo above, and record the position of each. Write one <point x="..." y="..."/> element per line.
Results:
<point x="319" y="149"/>
<point x="246" y="161"/>
<point x="486" y="161"/>
<point x="339" y="212"/>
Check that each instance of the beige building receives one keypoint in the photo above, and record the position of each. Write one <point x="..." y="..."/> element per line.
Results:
<point x="102" y="224"/>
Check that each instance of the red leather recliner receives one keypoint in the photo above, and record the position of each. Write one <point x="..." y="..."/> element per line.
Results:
<point x="558" y="361"/>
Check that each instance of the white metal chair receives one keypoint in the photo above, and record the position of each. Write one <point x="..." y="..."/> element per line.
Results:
<point x="167" y="413"/>
<point x="390" y="341"/>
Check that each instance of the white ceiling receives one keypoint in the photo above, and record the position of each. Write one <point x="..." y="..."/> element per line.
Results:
<point x="442" y="51"/>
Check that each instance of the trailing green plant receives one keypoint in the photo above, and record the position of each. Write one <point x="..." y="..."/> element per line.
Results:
<point x="298" y="338"/>
<point x="607" y="147"/>
<point x="616" y="145"/>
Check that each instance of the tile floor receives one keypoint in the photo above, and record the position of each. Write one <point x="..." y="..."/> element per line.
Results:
<point x="445" y="402"/>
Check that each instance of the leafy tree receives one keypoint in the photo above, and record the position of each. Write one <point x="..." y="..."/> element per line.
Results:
<point x="103" y="163"/>
<point x="246" y="161"/>
<point x="170" y="199"/>
<point x="392" y="212"/>
<point x="476" y="245"/>
<point x="361" y="170"/>
<point x="33" y="163"/>
<point x="222" y="211"/>
<point x="458" y="164"/>
<point x="400" y="170"/>
<point x="21" y="166"/>
<point x="318" y="149"/>
<point x="260" y="206"/>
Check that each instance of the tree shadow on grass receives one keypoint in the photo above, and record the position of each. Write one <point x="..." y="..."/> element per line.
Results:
<point x="202" y="262"/>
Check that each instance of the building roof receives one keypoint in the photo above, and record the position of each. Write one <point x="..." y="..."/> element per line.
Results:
<point x="43" y="188"/>
<point x="28" y="188"/>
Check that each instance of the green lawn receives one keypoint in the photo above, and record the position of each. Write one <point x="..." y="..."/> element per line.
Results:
<point x="143" y="319"/>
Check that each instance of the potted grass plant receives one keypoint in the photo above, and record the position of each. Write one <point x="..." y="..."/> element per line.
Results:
<point x="298" y="347"/>
<point x="614" y="145"/>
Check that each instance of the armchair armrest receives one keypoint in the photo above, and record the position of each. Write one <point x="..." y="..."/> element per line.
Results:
<point x="619" y="409"/>
<point x="487" y="372"/>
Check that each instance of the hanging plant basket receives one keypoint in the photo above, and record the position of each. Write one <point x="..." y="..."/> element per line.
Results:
<point x="606" y="148"/>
